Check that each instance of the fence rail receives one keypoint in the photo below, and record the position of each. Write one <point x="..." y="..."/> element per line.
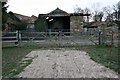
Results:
<point x="9" y="38"/>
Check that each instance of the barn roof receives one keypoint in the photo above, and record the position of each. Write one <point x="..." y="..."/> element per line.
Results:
<point x="58" y="12"/>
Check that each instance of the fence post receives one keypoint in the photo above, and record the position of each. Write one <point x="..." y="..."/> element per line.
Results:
<point x="50" y="33"/>
<point x="16" y="37"/>
<point x="99" y="37"/>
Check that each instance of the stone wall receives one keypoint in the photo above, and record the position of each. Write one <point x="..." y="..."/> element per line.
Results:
<point x="76" y="23"/>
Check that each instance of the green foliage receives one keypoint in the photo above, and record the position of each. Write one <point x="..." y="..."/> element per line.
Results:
<point x="4" y="12"/>
<point x="4" y="17"/>
<point x="20" y="25"/>
<point x="41" y="24"/>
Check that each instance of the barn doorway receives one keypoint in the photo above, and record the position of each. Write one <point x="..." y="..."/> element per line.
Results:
<point x="59" y="23"/>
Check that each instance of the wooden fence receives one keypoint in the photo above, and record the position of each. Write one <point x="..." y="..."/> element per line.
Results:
<point x="10" y="38"/>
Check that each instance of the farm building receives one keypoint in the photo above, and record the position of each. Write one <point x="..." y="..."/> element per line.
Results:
<point x="59" y="20"/>
<point x="16" y="20"/>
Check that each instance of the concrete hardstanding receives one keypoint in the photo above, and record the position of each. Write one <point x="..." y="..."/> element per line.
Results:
<point x="64" y="64"/>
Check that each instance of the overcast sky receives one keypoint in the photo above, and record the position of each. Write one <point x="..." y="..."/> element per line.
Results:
<point x="36" y="7"/>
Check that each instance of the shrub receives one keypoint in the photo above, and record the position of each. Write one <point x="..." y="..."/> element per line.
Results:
<point x="41" y="24"/>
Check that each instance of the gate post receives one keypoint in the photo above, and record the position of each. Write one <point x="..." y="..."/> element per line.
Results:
<point x="50" y="33"/>
<point x="103" y="34"/>
<point x="19" y="35"/>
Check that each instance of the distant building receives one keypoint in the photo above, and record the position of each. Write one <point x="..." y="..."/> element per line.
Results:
<point x="10" y="24"/>
<point x="29" y="20"/>
<point x="14" y="17"/>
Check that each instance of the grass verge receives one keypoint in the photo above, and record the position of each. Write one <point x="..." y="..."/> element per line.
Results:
<point x="11" y="56"/>
<point x="104" y="55"/>
<point x="21" y="65"/>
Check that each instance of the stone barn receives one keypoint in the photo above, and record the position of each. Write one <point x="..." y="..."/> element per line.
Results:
<point x="59" y="20"/>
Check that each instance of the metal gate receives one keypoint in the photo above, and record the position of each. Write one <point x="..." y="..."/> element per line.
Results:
<point x="63" y="38"/>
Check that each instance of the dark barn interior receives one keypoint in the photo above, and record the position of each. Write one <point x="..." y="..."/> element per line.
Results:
<point x="59" y="23"/>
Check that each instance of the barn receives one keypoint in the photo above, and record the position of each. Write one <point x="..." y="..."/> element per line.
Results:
<point x="59" y="20"/>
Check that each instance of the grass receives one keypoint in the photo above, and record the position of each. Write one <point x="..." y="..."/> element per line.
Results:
<point x="19" y="68"/>
<point x="102" y="55"/>
<point x="10" y="58"/>
<point x="12" y="55"/>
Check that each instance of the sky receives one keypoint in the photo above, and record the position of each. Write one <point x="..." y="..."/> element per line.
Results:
<point x="36" y="7"/>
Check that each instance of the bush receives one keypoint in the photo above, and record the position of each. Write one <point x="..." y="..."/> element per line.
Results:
<point x="4" y="13"/>
<point x="41" y="24"/>
<point x="21" y="25"/>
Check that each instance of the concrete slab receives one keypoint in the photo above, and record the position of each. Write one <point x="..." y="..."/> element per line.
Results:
<point x="64" y="64"/>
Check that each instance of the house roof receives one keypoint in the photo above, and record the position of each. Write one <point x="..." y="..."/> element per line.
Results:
<point x="12" y="19"/>
<point x="32" y="19"/>
<point x="22" y="17"/>
<point x="26" y="18"/>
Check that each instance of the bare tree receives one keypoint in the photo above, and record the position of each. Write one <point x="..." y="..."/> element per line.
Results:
<point x="98" y="16"/>
<point x="117" y="14"/>
<point x="108" y="13"/>
<point x="77" y="9"/>
<point x="116" y="9"/>
<point x="97" y="13"/>
<point x="87" y="11"/>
